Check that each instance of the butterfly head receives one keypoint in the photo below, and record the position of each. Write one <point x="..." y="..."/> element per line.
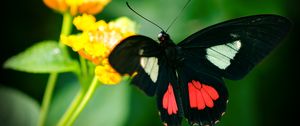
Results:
<point x="163" y="37"/>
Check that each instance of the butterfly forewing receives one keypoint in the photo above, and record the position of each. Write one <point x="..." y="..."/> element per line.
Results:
<point x="237" y="45"/>
<point x="137" y="55"/>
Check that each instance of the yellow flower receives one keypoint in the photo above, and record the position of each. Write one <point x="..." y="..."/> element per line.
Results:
<point x="106" y="74"/>
<point x="77" y="6"/>
<point x="85" y="22"/>
<point x="97" y="40"/>
<point x="77" y="42"/>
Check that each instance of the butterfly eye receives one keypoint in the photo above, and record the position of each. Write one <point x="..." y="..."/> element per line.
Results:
<point x="163" y="36"/>
<point x="159" y="35"/>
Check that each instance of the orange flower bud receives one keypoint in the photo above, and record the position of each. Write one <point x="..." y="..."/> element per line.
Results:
<point x="58" y="5"/>
<point x="77" y="6"/>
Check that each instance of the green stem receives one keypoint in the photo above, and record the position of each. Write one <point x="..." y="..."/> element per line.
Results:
<point x="66" y="27"/>
<point x="65" y="30"/>
<point x="83" y="74"/>
<point x="84" y="69"/>
<point x="47" y="98"/>
<point x="72" y="107"/>
<point x="91" y="90"/>
<point x="67" y="24"/>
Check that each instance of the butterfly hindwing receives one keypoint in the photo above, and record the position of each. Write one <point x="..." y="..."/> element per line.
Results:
<point x="204" y="95"/>
<point x="236" y="46"/>
<point x="137" y="54"/>
<point x="168" y="95"/>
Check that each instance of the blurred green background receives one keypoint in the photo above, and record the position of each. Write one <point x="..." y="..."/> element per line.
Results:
<point x="267" y="96"/>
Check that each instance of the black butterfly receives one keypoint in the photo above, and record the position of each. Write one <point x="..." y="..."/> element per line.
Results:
<point x="187" y="78"/>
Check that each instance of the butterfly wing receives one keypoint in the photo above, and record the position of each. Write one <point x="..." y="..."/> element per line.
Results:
<point x="137" y="54"/>
<point x="203" y="93"/>
<point x="234" y="47"/>
<point x="230" y="49"/>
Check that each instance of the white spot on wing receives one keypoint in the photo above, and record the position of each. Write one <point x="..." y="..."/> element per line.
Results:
<point x="141" y="52"/>
<point x="223" y="113"/>
<point x="235" y="45"/>
<point x="234" y="35"/>
<point x="221" y="55"/>
<point x="144" y="61"/>
<point x="150" y="65"/>
<point x="176" y="73"/>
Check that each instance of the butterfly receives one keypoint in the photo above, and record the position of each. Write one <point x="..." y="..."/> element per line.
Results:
<point x="187" y="78"/>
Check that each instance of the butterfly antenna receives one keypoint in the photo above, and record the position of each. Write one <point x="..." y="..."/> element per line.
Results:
<point x="178" y="15"/>
<point x="143" y="16"/>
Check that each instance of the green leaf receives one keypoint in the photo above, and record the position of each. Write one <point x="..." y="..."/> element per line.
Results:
<point x="17" y="109"/>
<point x="43" y="57"/>
<point x="109" y="106"/>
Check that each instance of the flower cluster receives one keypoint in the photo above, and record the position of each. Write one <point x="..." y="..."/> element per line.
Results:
<point x="77" y="6"/>
<point x="97" y="40"/>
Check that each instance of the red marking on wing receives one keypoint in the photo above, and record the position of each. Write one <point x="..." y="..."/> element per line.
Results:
<point x="207" y="99"/>
<point x="201" y="95"/>
<point x="193" y="95"/>
<point x="211" y="91"/>
<point x="169" y="101"/>
<point x="200" y="100"/>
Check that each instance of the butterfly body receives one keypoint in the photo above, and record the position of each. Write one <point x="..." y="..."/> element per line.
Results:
<point x="187" y="78"/>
